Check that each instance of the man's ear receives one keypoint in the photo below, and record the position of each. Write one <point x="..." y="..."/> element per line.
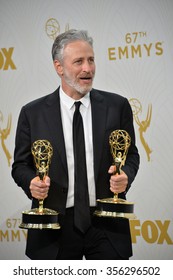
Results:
<point x="58" y="67"/>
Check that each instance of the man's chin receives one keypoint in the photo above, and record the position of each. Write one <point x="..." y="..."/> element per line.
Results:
<point x="84" y="90"/>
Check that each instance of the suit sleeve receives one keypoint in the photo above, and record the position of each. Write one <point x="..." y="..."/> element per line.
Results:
<point x="132" y="161"/>
<point x="23" y="170"/>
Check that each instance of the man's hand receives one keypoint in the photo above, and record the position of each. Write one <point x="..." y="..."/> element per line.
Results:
<point x="39" y="189"/>
<point x="118" y="182"/>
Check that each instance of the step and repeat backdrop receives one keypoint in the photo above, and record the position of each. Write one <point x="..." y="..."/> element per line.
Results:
<point x="133" y="42"/>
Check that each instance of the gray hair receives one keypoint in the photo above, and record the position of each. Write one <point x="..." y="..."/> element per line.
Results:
<point x="67" y="37"/>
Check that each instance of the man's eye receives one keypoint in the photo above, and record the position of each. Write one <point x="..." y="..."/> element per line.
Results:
<point x="91" y="60"/>
<point x="78" y="61"/>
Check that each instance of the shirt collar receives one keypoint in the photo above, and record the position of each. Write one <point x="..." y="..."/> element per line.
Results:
<point x="69" y="102"/>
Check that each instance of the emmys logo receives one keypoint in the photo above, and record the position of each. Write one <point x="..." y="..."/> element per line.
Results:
<point x="143" y="124"/>
<point x="52" y="28"/>
<point x="6" y="60"/>
<point x="4" y="133"/>
<point x="11" y="231"/>
<point x="132" y="49"/>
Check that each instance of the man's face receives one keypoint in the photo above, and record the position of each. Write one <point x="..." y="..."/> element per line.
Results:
<point x="77" y="68"/>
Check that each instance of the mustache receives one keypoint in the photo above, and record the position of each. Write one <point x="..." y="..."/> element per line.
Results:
<point x="87" y="76"/>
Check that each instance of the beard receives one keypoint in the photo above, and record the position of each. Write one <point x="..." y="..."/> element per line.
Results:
<point x="75" y="85"/>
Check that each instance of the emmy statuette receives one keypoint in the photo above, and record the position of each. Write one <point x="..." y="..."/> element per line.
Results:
<point x="115" y="207"/>
<point x="41" y="218"/>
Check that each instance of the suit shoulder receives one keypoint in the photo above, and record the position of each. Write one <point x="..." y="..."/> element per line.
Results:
<point x="36" y="102"/>
<point x="110" y="96"/>
<point x="41" y="101"/>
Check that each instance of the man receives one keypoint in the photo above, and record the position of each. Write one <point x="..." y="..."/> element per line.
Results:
<point x="51" y="118"/>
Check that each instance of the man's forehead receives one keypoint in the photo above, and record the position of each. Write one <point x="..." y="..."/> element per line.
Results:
<point x="78" y="44"/>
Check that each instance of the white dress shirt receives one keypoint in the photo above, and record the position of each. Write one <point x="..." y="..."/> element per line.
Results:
<point x="67" y="111"/>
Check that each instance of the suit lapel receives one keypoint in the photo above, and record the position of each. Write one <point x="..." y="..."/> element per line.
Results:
<point x="55" y="126"/>
<point x="99" y="113"/>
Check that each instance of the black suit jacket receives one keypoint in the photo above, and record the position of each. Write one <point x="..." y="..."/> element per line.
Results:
<point x="41" y="119"/>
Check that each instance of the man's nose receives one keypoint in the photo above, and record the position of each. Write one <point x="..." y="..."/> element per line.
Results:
<point x="86" y="66"/>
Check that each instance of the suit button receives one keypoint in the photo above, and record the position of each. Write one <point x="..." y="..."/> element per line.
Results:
<point x="64" y="190"/>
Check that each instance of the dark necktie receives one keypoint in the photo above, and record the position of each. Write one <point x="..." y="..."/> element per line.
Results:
<point x="81" y="197"/>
